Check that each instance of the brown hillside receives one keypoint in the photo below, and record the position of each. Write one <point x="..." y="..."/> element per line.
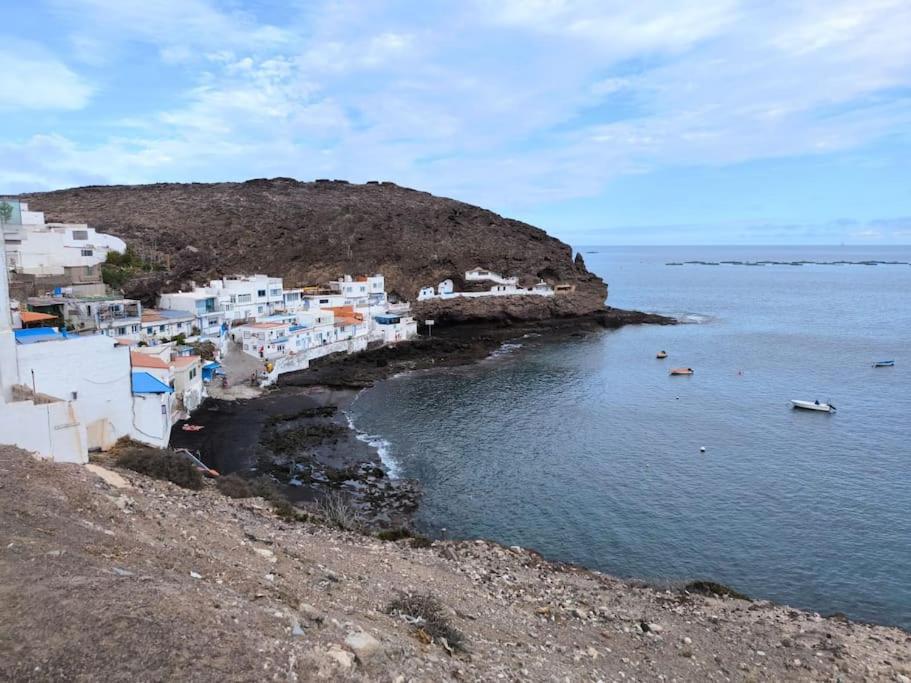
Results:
<point x="312" y="232"/>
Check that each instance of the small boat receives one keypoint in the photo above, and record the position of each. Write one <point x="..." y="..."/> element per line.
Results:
<point x="682" y="371"/>
<point x="884" y="364"/>
<point x="661" y="354"/>
<point x="814" y="405"/>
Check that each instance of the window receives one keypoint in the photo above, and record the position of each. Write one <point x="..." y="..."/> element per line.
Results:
<point x="324" y="301"/>
<point x="148" y="330"/>
<point x="363" y="288"/>
<point x="260" y="293"/>
<point x="87" y="252"/>
<point x="192" y="373"/>
<point x="161" y="328"/>
<point x="276" y="292"/>
<point x="244" y="298"/>
<point x="121" y="330"/>
<point x="80" y="234"/>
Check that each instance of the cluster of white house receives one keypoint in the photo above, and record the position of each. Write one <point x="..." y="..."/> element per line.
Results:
<point x="35" y="247"/>
<point x="81" y="368"/>
<point x="498" y="286"/>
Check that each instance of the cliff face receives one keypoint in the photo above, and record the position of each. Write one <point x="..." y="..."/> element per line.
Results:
<point x="312" y="232"/>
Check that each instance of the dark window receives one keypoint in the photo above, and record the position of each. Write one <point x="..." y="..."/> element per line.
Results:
<point x="87" y="252"/>
<point x="80" y="234"/>
<point x="260" y="292"/>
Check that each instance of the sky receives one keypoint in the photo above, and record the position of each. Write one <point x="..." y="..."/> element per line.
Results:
<point x="601" y="121"/>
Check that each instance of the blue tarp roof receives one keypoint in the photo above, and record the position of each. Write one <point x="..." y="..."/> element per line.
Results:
<point x="38" y="334"/>
<point x="144" y="383"/>
<point x="212" y="364"/>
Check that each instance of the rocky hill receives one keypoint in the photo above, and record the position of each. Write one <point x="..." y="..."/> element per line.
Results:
<point x="310" y="232"/>
<point x="112" y="576"/>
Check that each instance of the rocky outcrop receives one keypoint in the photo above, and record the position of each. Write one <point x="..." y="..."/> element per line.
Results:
<point x="312" y="232"/>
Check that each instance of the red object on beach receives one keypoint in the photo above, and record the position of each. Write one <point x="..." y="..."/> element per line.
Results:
<point x="192" y="428"/>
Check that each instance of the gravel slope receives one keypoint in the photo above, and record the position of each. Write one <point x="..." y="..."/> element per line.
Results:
<point x="140" y="580"/>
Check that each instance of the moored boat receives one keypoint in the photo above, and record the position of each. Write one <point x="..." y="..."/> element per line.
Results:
<point x="661" y="354"/>
<point x="813" y="405"/>
<point x="682" y="371"/>
<point x="884" y="364"/>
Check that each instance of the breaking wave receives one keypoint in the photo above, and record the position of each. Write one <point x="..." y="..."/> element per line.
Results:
<point x="382" y="446"/>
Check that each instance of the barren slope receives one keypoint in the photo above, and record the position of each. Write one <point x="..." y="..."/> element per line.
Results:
<point x="312" y="232"/>
<point x="153" y="582"/>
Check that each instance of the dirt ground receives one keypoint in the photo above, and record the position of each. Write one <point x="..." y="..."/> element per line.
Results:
<point x="128" y="578"/>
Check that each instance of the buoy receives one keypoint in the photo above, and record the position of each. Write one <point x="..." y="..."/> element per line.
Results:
<point x="702" y="449"/>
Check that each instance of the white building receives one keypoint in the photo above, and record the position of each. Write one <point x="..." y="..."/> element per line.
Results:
<point x="482" y="275"/>
<point x="248" y="297"/>
<point x="35" y="421"/>
<point x="181" y="372"/>
<point x="34" y="247"/>
<point x="502" y="286"/>
<point x="111" y="315"/>
<point x="203" y="304"/>
<point x="94" y="372"/>
<point x="163" y="324"/>
<point x="360" y="291"/>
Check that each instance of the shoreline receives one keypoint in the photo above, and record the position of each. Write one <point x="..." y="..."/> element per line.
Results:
<point x="298" y="432"/>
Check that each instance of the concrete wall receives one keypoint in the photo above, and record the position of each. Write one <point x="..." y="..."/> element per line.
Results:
<point x="52" y="430"/>
<point x="96" y="370"/>
<point x="152" y="419"/>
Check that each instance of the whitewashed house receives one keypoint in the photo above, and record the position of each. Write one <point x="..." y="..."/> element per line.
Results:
<point x="248" y="297"/>
<point x="113" y="316"/>
<point x="203" y="304"/>
<point x="160" y="324"/>
<point x="34" y="247"/>
<point x="482" y="275"/>
<point x="188" y="386"/>
<point x="360" y="291"/>
<point x="502" y="286"/>
<point x="93" y="371"/>
<point x="36" y="421"/>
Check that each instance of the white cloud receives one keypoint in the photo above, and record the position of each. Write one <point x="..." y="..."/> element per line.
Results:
<point x="517" y="101"/>
<point x="617" y="26"/>
<point x="30" y="79"/>
<point x="178" y="27"/>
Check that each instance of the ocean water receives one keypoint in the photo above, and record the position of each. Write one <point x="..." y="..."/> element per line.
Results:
<point x="587" y="451"/>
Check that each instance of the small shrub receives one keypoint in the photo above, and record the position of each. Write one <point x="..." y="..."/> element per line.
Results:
<point x="337" y="510"/>
<point x="421" y="542"/>
<point x="426" y="614"/>
<point x="234" y="486"/>
<point x="285" y="509"/>
<point x="264" y="487"/>
<point x="393" y="534"/>
<point x="161" y="464"/>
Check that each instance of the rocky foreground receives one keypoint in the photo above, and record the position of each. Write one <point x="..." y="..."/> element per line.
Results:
<point x="110" y="575"/>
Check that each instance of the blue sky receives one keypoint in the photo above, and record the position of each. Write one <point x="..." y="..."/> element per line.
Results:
<point x="648" y="122"/>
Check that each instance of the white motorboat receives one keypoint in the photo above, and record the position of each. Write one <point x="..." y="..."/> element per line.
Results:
<point x="814" y="405"/>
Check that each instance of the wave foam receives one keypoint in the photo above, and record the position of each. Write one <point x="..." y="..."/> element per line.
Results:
<point x="382" y="446"/>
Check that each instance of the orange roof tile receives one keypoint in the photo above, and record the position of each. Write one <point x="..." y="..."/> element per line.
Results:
<point x="146" y="360"/>
<point x="184" y="361"/>
<point x="32" y="317"/>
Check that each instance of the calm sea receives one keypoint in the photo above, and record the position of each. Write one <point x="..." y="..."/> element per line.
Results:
<point x="587" y="451"/>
